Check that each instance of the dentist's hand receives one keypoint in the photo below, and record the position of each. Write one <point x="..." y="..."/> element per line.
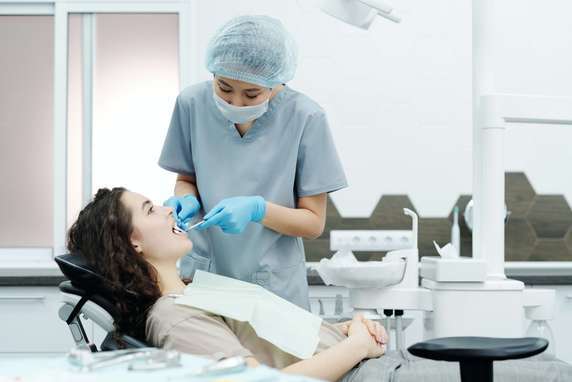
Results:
<point x="233" y="214"/>
<point x="184" y="207"/>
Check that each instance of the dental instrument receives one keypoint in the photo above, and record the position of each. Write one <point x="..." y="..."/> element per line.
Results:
<point x="224" y="366"/>
<point x="157" y="361"/>
<point x="85" y="360"/>
<point x="229" y="365"/>
<point x="180" y="230"/>
<point x="456" y="232"/>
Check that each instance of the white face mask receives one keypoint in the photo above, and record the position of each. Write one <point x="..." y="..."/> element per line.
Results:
<point x="239" y="114"/>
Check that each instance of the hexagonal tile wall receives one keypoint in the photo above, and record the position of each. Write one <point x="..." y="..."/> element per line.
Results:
<point x="519" y="194"/>
<point x="550" y="216"/>
<point x="520" y="240"/>
<point x="539" y="228"/>
<point x="568" y="239"/>
<point x="550" y="250"/>
<point x="388" y="214"/>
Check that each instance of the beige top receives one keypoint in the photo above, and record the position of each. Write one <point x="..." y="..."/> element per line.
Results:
<point x="195" y="331"/>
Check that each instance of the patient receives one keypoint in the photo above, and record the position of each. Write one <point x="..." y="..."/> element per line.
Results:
<point x="131" y="242"/>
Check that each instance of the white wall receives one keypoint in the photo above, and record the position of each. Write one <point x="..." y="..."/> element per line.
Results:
<point x="532" y="54"/>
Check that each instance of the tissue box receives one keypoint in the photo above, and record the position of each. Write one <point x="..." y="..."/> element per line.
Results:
<point x="456" y="269"/>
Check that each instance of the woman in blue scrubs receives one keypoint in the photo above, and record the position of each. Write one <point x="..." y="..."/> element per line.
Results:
<point x="256" y="156"/>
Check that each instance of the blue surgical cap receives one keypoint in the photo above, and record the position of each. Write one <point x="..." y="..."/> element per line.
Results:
<point x="255" y="49"/>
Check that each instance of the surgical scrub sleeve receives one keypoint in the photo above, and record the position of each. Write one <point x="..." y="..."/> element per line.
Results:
<point x="287" y="153"/>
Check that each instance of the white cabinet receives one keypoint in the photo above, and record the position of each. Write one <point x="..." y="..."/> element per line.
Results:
<point x="562" y="323"/>
<point x="29" y="321"/>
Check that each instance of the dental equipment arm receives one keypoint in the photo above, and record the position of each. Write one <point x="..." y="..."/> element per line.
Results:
<point x="359" y="13"/>
<point x="383" y="9"/>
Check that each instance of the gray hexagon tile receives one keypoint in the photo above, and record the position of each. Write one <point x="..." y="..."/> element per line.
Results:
<point x="520" y="240"/>
<point x="568" y="239"/>
<point x="438" y="229"/>
<point x="335" y="221"/>
<point x="550" y="250"/>
<point x="388" y="213"/>
<point x="550" y="216"/>
<point x="317" y="249"/>
<point x="519" y="194"/>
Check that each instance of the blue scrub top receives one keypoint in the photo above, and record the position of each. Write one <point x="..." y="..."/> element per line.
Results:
<point x="287" y="153"/>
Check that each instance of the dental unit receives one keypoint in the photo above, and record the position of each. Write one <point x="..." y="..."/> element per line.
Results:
<point x="459" y="296"/>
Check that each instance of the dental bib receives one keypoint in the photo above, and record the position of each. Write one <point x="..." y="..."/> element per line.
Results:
<point x="298" y="333"/>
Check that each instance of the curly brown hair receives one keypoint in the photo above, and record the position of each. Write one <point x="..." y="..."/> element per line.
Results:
<point x="102" y="235"/>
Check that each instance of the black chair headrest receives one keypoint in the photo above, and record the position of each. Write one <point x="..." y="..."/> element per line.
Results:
<point x="80" y="273"/>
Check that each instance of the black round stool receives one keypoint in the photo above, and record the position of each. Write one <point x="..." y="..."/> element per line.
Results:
<point x="476" y="354"/>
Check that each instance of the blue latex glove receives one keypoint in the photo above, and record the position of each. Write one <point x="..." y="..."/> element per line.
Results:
<point x="184" y="208"/>
<point x="233" y="214"/>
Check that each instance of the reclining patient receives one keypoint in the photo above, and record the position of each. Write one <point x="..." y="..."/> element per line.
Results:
<point x="133" y="244"/>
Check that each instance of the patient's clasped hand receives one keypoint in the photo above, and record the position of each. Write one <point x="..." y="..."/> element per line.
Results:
<point x="248" y="302"/>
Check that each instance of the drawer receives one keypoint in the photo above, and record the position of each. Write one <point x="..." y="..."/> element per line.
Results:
<point x="29" y="321"/>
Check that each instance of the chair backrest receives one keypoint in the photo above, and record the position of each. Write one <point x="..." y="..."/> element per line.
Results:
<point x="87" y="282"/>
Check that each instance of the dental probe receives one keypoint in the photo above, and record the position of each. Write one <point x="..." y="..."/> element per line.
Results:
<point x="180" y="230"/>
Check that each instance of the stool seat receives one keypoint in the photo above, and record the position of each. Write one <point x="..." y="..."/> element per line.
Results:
<point x="478" y="348"/>
<point x="476" y="354"/>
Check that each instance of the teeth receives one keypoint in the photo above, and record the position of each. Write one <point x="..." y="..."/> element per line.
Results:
<point x="177" y="231"/>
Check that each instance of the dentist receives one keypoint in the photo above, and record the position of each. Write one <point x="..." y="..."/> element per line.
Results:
<point x="257" y="155"/>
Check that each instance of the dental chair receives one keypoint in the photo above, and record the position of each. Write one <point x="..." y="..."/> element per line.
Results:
<point x="85" y="293"/>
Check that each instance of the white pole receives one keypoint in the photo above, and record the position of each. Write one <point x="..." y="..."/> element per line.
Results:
<point x="492" y="200"/>
<point x="482" y="83"/>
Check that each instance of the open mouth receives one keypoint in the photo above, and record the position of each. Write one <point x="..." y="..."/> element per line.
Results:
<point x="177" y="231"/>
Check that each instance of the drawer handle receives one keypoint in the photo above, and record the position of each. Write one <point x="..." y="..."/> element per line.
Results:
<point x="22" y="298"/>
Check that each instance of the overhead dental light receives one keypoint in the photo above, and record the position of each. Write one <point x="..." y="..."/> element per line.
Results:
<point x="359" y="13"/>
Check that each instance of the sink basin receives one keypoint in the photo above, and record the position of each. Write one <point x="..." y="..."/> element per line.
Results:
<point x="343" y="269"/>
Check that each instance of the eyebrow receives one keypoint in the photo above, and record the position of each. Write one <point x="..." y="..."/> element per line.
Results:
<point x="246" y="90"/>
<point x="145" y="203"/>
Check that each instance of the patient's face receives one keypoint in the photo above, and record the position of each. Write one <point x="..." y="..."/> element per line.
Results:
<point x="153" y="233"/>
